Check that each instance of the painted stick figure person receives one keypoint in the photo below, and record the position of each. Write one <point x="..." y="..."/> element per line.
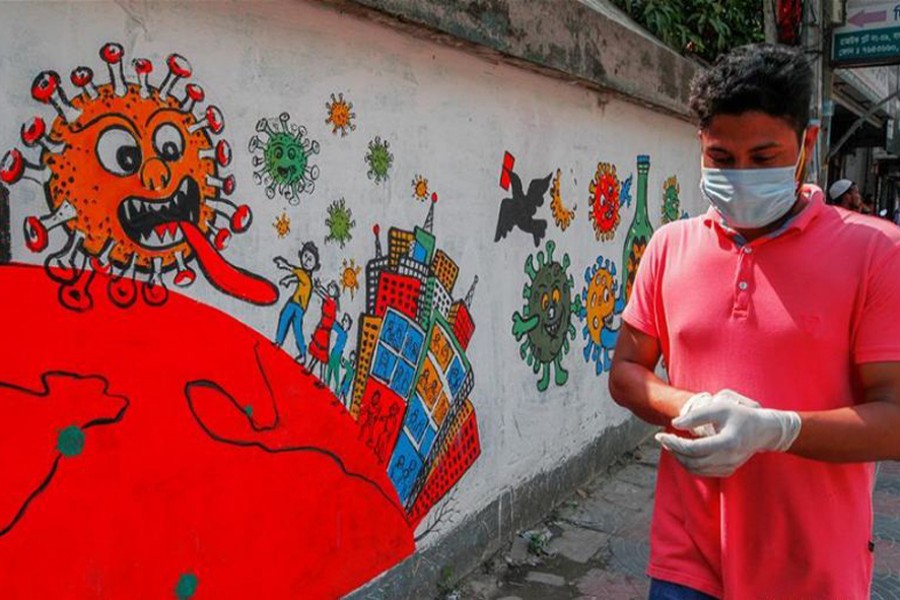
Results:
<point x="292" y="313"/>
<point x="340" y="330"/>
<point x="321" y="339"/>
<point x="349" y="365"/>
<point x="368" y="418"/>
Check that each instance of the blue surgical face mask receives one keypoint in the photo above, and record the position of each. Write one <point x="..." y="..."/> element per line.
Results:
<point x="751" y="198"/>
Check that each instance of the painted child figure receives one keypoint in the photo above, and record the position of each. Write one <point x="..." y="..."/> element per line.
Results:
<point x="333" y="371"/>
<point x="321" y="339"/>
<point x="295" y="308"/>
<point x="349" y="365"/>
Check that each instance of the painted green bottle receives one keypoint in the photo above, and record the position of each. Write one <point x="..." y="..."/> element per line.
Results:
<point x="640" y="231"/>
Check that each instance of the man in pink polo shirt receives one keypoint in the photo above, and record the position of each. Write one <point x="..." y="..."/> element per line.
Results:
<point x="778" y="319"/>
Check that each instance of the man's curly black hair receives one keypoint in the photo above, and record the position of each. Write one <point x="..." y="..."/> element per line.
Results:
<point x="768" y="78"/>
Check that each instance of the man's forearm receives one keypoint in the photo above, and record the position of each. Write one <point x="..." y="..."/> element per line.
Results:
<point x="641" y="391"/>
<point x="861" y="433"/>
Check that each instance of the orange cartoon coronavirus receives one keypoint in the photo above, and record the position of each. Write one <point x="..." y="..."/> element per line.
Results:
<point x="133" y="178"/>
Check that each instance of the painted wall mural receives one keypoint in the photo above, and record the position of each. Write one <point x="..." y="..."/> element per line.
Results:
<point x="131" y="176"/>
<point x="315" y="408"/>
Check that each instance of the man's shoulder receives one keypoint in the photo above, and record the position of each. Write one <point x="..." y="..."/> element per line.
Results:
<point x="863" y="231"/>
<point x="682" y="231"/>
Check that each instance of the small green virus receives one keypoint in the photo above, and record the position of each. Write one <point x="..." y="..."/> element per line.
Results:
<point x="340" y="223"/>
<point x="545" y="322"/>
<point x="283" y="158"/>
<point x="186" y="586"/>
<point x="380" y="159"/>
<point x="70" y="441"/>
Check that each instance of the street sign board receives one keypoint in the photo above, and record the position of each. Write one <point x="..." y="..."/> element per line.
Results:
<point x="871" y="35"/>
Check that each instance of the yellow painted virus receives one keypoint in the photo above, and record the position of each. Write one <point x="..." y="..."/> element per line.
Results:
<point x="562" y="215"/>
<point x="350" y="276"/>
<point x="340" y="115"/>
<point x="420" y="188"/>
<point x="282" y="224"/>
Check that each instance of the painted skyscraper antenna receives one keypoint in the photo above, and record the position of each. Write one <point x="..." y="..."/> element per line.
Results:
<point x="470" y="296"/>
<point x="176" y="192"/>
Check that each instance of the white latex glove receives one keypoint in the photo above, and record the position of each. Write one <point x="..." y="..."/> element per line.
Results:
<point x="703" y="399"/>
<point x="741" y="429"/>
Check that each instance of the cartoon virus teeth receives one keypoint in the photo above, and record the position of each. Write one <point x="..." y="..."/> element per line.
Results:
<point x="133" y="178"/>
<point x="283" y="158"/>
<point x="545" y="322"/>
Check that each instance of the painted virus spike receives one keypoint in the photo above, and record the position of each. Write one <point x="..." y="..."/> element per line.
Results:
<point x="551" y="247"/>
<point x="184" y="275"/>
<point x="193" y="94"/>
<point x="285" y="119"/>
<point x="83" y="77"/>
<point x="112" y="54"/>
<point x="37" y="229"/>
<point x="102" y="262"/>
<point x="14" y="167"/>
<point x="179" y="68"/>
<point x="220" y="237"/>
<point x="377" y="230"/>
<point x="143" y="67"/>
<point x="529" y="267"/>
<point x="221" y="153"/>
<point x="226" y="185"/>
<point x="75" y="295"/>
<point x="540" y="259"/>
<point x="566" y="261"/>
<point x="240" y="217"/>
<point x="429" y="220"/>
<point x="471" y="293"/>
<point x="154" y="290"/>
<point x="60" y="266"/>
<point x="47" y="89"/>
<point x="121" y="289"/>
<point x="212" y="120"/>
<point x="34" y="133"/>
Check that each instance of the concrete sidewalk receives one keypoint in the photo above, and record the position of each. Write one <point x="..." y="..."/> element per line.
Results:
<point x="595" y="546"/>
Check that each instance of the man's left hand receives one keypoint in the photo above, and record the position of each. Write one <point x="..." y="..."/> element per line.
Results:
<point x="741" y="430"/>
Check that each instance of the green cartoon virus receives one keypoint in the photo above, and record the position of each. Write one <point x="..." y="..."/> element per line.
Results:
<point x="671" y="207"/>
<point x="546" y="319"/>
<point x="282" y="158"/>
<point x="340" y="223"/>
<point x="380" y="159"/>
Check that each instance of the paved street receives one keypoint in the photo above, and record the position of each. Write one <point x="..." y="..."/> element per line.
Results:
<point x="595" y="545"/>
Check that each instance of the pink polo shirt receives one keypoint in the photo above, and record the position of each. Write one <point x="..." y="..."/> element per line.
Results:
<point x="781" y="320"/>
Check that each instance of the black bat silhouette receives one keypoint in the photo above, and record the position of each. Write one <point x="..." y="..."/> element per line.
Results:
<point x="519" y="210"/>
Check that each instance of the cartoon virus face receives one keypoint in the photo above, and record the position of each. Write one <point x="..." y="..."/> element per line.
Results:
<point x="340" y="115"/>
<point x="420" y="188"/>
<point x="380" y="159"/>
<point x="283" y="159"/>
<point x="340" y="223"/>
<point x="561" y="215"/>
<point x="600" y="305"/>
<point x="604" y="201"/>
<point x="546" y="319"/>
<point x="131" y="175"/>
<point x="350" y="277"/>
<point x="282" y="225"/>
<point x="671" y="207"/>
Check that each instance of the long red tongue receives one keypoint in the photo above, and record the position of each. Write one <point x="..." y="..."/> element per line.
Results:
<point x="225" y="276"/>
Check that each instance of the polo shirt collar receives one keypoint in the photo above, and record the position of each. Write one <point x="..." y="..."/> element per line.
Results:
<point x="815" y="204"/>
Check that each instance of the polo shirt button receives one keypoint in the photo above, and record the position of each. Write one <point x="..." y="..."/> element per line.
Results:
<point x="743" y="286"/>
<point x="748" y="250"/>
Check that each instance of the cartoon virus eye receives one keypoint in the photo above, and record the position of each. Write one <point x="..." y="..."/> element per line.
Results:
<point x="605" y="295"/>
<point x="545" y="301"/>
<point x="594" y="299"/>
<point x="168" y="143"/>
<point x="119" y="152"/>
<point x="556" y="295"/>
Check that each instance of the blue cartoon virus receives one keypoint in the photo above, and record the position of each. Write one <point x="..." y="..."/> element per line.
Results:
<point x="600" y="305"/>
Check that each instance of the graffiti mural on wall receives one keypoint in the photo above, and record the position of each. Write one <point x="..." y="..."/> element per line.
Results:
<point x="601" y="304"/>
<point x="607" y="197"/>
<point x="132" y="178"/>
<point x="671" y="205"/>
<point x="379" y="159"/>
<point x="340" y="223"/>
<point x="283" y="158"/>
<point x="340" y="115"/>
<point x="562" y="216"/>
<point x="545" y="322"/>
<point x="518" y="210"/>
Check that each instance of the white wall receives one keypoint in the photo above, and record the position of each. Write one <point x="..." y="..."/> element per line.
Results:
<point x="447" y="115"/>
